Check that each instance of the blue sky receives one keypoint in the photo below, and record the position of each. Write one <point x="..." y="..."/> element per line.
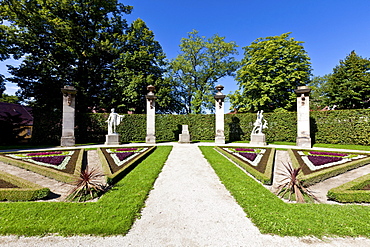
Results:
<point x="330" y="29"/>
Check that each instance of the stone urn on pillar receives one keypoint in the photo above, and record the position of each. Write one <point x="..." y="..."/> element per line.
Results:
<point x="220" y="121"/>
<point x="303" y="116"/>
<point x="150" y="115"/>
<point x="68" y="127"/>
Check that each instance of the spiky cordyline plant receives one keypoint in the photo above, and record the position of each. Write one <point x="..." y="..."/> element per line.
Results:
<point x="87" y="183"/>
<point x="290" y="183"/>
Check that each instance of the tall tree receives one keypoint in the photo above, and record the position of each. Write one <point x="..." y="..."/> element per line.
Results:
<point x="200" y="65"/>
<point x="272" y="68"/>
<point x="349" y="85"/>
<point x="65" y="42"/>
<point x="141" y="63"/>
<point x="318" y="97"/>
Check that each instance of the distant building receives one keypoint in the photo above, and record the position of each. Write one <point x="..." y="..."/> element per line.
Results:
<point x="16" y="123"/>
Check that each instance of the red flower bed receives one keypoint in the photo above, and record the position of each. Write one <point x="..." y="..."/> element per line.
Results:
<point x="250" y="156"/>
<point x="327" y="153"/>
<point x="322" y="160"/>
<point x="53" y="160"/>
<point x="126" y="149"/>
<point x="244" y="149"/>
<point x="123" y="156"/>
<point x="44" y="153"/>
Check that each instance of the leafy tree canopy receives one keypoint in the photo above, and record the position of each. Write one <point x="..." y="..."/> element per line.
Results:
<point x="318" y="97"/>
<point x="64" y="42"/>
<point x="200" y="65"/>
<point x="9" y="99"/>
<point x="272" y="68"/>
<point x="141" y="63"/>
<point x="349" y="85"/>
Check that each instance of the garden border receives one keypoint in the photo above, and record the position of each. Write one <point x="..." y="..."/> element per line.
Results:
<point x="113" y="178"/>
<point x="27" y="190"/>
<point x="319" y="176"/>
<point x="46" y="171"/>
<point x="351" y="191"/>
<point x="266" y="177"/>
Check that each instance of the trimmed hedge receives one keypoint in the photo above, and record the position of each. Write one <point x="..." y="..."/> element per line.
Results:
<point x="266" y="177"/>
<point x="350" y="127"/>
<point x="113" y="178"/>
<point x="46" y="171"/>
<point x="318" y="176"/>
<point x="351" y="191"/>
<point x="27" y="190"/>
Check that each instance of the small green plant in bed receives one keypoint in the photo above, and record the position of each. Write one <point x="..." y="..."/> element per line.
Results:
<point x="13" y="188"/>
<point x="273" y="216"/>
<point x="256" y="161"/>
<point x="57" y="164"/>
<point x="356" y="191"/>
<point x="319" y="165"/>
<point x="118" y="161"/>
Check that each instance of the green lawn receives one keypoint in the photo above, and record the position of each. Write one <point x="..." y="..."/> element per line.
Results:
<point x="273" y="216"/>
<point x="113" y="214"/>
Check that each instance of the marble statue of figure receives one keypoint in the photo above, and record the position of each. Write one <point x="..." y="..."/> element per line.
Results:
<point x="114" y="119"/>
<point x="260" y="123"/>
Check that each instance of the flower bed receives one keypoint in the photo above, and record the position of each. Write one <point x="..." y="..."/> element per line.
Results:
<point x="116" y="161"/>
<point x="60" y="165"/>
<point x="319" y="165"/>
<point x="257" y="161"/>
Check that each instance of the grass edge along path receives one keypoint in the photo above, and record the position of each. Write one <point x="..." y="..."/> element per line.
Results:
<point x="113" y="214"/>
<point x="273" y="216"/>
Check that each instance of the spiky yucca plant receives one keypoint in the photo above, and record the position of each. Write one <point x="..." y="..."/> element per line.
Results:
<point x="87" y="183"/>
<point x="290" y="183"/>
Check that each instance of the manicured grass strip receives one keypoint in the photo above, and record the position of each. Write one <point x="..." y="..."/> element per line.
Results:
<point x="273" y="216"/>
<point x="352" y="191"/>
<point x="113" y="214"/>
<point x="341" y="146"/>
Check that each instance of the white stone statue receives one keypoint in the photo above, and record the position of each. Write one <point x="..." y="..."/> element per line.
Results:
<point x="260" y="123"/>
<point x="114" y="119"/>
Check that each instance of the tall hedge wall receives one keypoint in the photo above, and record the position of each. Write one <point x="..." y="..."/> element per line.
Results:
<point x="336" y="127"/>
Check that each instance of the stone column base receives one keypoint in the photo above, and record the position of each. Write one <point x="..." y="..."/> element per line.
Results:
<point x="112" y="139"/>
<point x="304" y="142"/>
<point x="150" y="139"/>
<point x="220" y="140"/>
<point x="67" y="141"/>
<point x="184" y="138"/>
<point x="258" y="139"/>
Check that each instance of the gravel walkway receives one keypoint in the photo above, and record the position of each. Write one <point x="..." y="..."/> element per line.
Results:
<point x="187" y="207"/>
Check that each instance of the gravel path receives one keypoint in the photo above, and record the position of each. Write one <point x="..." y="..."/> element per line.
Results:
<point x="187" y="207"/>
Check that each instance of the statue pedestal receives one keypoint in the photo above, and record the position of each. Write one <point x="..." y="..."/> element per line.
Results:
<point x="112" y="139"/>
<point x="184" y="137"/>
<point x="219" y="139"/>
<point x="258" y="139"/>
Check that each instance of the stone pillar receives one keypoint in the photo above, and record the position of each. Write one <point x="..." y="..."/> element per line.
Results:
<point x="220" y="122"/>
<point x="150" y="115"/>
<point x="69" y="105"/>
<point x="303" y="117"/>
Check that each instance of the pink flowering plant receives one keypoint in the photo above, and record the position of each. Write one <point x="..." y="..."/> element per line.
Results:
<point x="53" y="159"/>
